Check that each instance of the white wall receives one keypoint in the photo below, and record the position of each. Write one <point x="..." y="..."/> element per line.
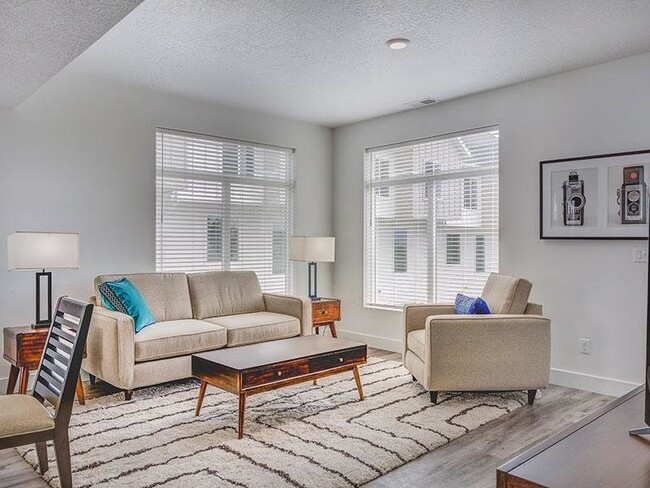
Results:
<point x="589" y="289"/>
<point x="79" y="156"/>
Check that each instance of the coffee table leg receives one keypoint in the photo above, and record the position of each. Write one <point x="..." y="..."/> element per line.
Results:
<point x="357" y="378"/>
<point x="199" y="402"/>
<point x="242" y="408"/>
<point x="13" y="378"/>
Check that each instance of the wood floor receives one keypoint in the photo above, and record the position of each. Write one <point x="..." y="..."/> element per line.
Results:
<point x="468" y="462"/>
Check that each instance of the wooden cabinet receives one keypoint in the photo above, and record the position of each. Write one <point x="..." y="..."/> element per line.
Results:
<point x="324" y="313"/>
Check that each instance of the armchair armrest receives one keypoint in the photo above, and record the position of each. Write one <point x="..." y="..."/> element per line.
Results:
<point x="480" y="352"/>
<point x="110" y="347"/>
<point x="415" y="317"/>
<point x="299" y="307"/>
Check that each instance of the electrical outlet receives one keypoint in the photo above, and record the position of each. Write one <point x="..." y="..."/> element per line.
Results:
<point x="640" y="255"/>
<point x="584" y="346"/>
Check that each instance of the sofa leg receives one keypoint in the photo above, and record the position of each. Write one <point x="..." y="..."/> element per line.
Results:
<point x="531" y="396"/>
<point x="92" y="379"/>
<point x="434" y="397"/>
<point x="127" y="395"/>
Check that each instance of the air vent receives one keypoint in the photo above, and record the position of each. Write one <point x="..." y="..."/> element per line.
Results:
<point x="423" y="102"/>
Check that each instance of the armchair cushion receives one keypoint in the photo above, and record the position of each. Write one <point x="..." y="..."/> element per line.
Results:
<point x="416" y="343"/>
<point x="23" y="414"/>
<point x="506" y="294"/>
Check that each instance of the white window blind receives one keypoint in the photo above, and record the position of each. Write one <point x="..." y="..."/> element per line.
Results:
<point x="431" y="218"/>
<point x="224" y="205"/>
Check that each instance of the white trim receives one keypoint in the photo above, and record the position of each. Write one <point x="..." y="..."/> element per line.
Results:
<point x="589" y="382"/>
<point x="373" y="341"/>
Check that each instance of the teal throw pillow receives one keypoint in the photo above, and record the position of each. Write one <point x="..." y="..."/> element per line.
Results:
<point x="123" y="296"/>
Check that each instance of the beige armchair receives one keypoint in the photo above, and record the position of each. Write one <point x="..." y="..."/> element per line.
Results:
<point x="510" y="349"/>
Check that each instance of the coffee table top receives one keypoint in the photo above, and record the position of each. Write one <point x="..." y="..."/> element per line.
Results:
<point x="280" y="351"/>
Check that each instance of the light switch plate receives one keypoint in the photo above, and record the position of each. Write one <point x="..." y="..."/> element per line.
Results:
<point x="640" y="255"/>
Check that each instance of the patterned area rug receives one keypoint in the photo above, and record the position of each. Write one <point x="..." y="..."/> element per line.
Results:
<point x="300" y="436"/>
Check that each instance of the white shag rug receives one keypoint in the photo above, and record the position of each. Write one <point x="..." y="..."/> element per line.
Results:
<point x="300" y="436"/>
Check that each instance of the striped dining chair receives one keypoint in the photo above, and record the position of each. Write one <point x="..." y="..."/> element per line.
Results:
<point x="25" y="419"/>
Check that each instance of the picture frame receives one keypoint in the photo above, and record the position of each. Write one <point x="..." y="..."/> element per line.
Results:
<point x="598" y="197"/>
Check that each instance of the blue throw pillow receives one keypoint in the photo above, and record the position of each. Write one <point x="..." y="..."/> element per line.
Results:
<point x="472" y="306"/>
<point x="123" y="296"/>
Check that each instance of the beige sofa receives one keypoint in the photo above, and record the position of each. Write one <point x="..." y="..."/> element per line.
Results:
<point x="509" y="349"/>
<point x="194" y="313"/>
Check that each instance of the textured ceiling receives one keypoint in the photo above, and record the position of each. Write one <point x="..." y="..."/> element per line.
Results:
<point x="325" y="61"/>
<point x="39" y="37"/>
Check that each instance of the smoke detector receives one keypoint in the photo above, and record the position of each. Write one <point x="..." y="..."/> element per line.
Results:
<point x="423" y="102"/>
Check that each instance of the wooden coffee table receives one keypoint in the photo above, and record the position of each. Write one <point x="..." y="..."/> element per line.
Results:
<point x="257" y="368"/>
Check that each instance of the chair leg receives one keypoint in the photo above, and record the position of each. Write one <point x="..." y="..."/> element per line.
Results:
<point x="531" y="396"/>
<point x="127" y="395"/>
<point x="92" y="379"/>
<point x="434" y="397"/>
<point x="41" y="452"/>
<point x="62" y="451"/>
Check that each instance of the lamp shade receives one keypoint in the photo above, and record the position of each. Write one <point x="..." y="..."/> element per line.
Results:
<point x="312" y="249"/>
<point x="43" y="250"/>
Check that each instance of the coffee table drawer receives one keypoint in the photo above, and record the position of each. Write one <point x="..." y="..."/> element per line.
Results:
<point x="334" y="360"/>
<point x="271" y="374"/>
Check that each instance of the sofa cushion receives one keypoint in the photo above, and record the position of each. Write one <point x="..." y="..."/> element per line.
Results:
<point x="415" y="343"/>
<point x="250" y="328"/>
<point x="506" y="294"/>
<point x="177" y="338"/>
<point x="219" y="293"/>
<point x="166" y="294"/>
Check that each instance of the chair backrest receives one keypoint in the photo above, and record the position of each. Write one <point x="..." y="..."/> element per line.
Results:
<point x="506" y="294"/>
<point x="61" y="360"/>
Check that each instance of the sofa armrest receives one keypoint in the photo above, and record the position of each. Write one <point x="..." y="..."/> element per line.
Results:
<point x="299" y="307"/>
<point x="110" y="347"/>
<point x="498" y="352"/>
<point x="415" y="317"/>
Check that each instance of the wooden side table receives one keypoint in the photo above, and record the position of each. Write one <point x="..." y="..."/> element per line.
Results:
<point x="23" y="348"/>
<point x="324" y="313"/>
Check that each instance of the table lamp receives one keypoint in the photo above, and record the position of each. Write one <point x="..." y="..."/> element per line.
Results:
<point x="312" y="250"/>
<point x="43" y="251"/>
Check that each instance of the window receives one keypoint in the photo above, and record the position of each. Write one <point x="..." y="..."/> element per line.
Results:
<point x="441" y="193"/>
<point x="383" y="170"/>
<point x="470" y="193"/>
<point x="453" y="248"/>
<point x="400" y="256"/>
<point x="224" y="205"/>
<point x="480" y="254"/>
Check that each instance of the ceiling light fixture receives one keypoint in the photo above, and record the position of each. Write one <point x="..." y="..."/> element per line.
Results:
<point x="398" y="43"/>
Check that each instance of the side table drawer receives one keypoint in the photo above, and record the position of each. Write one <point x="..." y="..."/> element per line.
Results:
<point x="325" y="312"/>
<point x="271" y="374"/>
<point x="335" y="360"/>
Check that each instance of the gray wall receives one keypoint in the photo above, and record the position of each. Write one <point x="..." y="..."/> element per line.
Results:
<point x="589" y="289"/>
<point x="79" y="156"/>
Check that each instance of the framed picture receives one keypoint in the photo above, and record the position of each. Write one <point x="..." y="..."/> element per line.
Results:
<point x="595" y="197"/>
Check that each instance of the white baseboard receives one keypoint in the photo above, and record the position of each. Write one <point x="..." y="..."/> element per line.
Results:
<point x="597" y="384"/>
<point x="570" y="379"/>
<point x="373" y="341"/>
